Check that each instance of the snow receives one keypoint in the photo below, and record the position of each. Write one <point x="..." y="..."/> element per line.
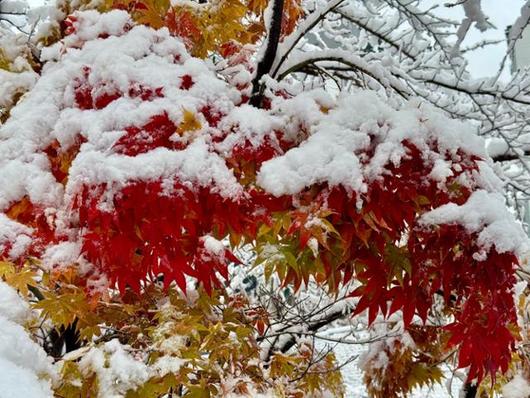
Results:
<point x="17" y="381"/>
<point x="377" y="70"/>
<point x="14" y="236"/>
<point x="117" y="370"/>
<point x="335" y="151"/>
<point x="484" y="213"/>
<point x="519" y="25"/>
<point x="487" y="178"/>
<point x="94" y="23"/>
<point x="195" y="164"/>
<point x="19" y="77"/>
<point x="247" y="123"/>
<point x="302" y="110"/>
<point x="325" y="157"/>
<point x="167" y="364"/>
<point x="497" y="147"/>
<point x="19" y="179"/>
<point x="12" y="307"/>
<point x="441" y="170"/>
<point x="25" y="369"/>
<point x="474" y="12"/>
<point x="518" y="387"/>
<point x="17" y="348"/>
<point x="13" y="83"/>
<point x="214" y="246"/>
<point x="61" y="255"/>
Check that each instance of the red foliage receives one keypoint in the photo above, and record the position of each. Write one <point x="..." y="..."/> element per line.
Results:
<point x="89" y="97"/>
<point x="61" y="159"/>
<point x="155" y="133"/>
<point x="435" y="261"/>
<point x="32" y="216"/>
<point x="149" y="229"/>
<point x="183" y="25"/>
<point x="186" y="82"/>
<point x="68" y="25"/>
<point x="229" y="49"/>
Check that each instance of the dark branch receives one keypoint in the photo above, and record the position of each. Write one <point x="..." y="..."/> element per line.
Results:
<point x="507" y="157"/>
<point x="265" y="64"/>
<point x="313" y="327"/>
<point x="471" y="92"/>
<point x="351" y="65"/>
<point x="301" y="32"/>
<point x="63" y="340"/>
<point x="470" y="390"/>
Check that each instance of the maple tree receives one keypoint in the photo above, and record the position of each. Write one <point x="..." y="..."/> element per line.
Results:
<point x="150" y="175"/>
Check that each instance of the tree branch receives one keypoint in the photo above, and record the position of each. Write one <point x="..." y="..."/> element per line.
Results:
<point x="265" y="64"/>
<point x="309" y="23"/>
<point x="470" y="390"/>
<point x="509" y="156"/>
<point x="471" y="92"/>
<point x="375" y="33"/>
<point x="313" y="327"/>
<point x="355" y="63"/>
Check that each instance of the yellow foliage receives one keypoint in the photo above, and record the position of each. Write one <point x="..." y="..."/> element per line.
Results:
<point x="408" y="367"/>
<point x="63" y="309"/>
<point x="5" y="63"/>
<point x="212" y="340"/>
<point x="147" y="12"/>
<point x="208" y="26"/>
<point x="203" y="27"/>
<point x="189" y="122"/>
<point x="22" y="280"/>
<point x="6" y="268"/>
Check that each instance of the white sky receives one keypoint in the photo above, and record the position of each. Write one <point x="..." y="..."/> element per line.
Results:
<point x="484" y="62"/>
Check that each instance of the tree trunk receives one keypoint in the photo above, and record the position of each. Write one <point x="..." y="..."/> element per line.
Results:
<point x="265" y="64"/>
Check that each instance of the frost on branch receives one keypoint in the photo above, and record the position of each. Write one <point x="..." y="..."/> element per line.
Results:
<point x="136" y="175"/>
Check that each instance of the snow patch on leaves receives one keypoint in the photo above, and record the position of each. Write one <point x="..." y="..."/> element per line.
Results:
<point x="484" y="213"/>
<point x="14" y="237"/>
<point x="336" y="151"/>
<point x="117" y="370"/>
<point x="61" y="255"/>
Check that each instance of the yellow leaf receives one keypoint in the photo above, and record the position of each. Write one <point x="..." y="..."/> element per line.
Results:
<point x="20" y="209"/>
<point x="6" y="268"/>
<point x="4" y="61"/>
<point x="63" y="309"/>
<point x="189" y="122"/>
<point x="21" y="280"/>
